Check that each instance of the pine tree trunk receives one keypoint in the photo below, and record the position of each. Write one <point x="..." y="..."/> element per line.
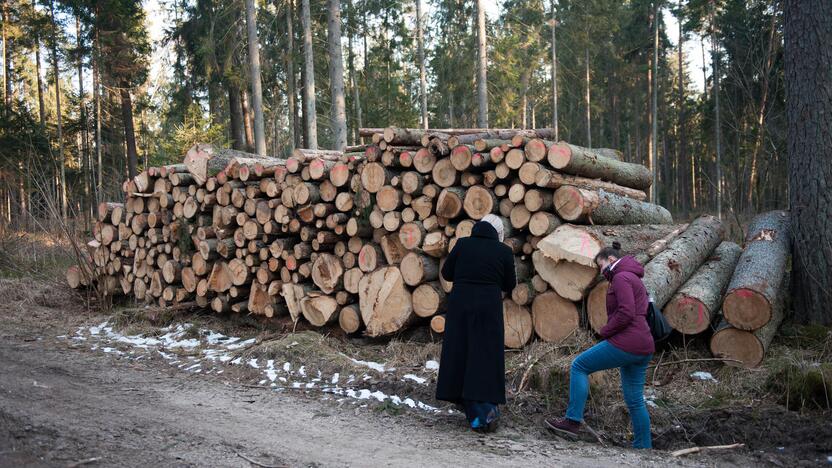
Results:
<point x="129" y="131"/>
<point x="422" y="74"/>
<point x="238" y="139"/>
<point x="247" y="126"/>
<point x="808" y="32"/>
<point x="482" y="68"/>
<point x="554" y="72"/>
<point x="291" y="85"/>
<point x="683" y="168"/>
<point x="256" y="84"/>
<point x="59" y="118"/>
<point x="309" y="113"/>
<point x="336" y="76"/>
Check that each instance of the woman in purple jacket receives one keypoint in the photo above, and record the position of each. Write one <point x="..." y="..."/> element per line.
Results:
<point x="627" y="344"/>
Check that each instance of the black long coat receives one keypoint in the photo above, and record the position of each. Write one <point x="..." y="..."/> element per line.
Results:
<point x="473" y="355"/>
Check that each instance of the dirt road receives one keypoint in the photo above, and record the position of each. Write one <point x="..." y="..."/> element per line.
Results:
<point x="62" y="404"/>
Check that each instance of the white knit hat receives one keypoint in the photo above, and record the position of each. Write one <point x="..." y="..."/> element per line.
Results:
<point x="496" y="223"/>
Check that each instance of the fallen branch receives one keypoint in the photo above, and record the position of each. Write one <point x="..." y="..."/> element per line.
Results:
<point x="83" y="462"/>
<point x="695" y="360"/>
<point x="688" y="451"/>
<point x="257" y="463"/>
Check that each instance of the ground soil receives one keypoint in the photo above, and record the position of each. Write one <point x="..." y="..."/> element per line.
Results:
<point x="62" y="403"/>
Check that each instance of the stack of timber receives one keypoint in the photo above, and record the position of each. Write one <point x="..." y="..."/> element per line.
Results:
<point x="358" y="237"/>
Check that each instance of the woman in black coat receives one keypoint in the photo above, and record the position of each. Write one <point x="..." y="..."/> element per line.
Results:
<point x="472" y="371"/>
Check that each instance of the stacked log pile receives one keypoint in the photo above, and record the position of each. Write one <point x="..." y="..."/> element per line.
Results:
<point x="358" y="238"/>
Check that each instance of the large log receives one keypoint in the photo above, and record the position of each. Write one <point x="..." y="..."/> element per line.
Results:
<point x="748" y="347"/>
<point x="598" y="207"/>
<point x="554" y="317"/>
<point x="203" y="160"/>
<point x="553" y="180"/>
<point x="327" y="271"/>
<point x="517" y="324"/>
<point x="668" y="270"/>
<point x="588" y="163"/>
<point x="349" y="319"/>
<point x="478" y="202"/>
<point x="694" y="306"/>
<point x="386" y="304"/>
<point x="760" y="271"/>
<point x="417" y="269"/>
<point x="568" y="279"/>
<point x="580" y="244"/>
<point x="428" y="299"/>
<point x="319" y="309"/>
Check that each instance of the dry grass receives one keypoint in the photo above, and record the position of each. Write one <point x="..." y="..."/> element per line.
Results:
<point x="38" y="255"/>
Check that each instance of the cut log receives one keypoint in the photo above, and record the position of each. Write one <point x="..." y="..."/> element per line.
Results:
<point x="370" y="257"/>
<point x="428" y="299"/>
<point x="417" y="269"/>
<point x="319" y="309"/>
<point x="449" y="204"/>
<point x="569" y="279"/>
<point x="517" y="323"/>
<point x="327" y="271"/>
<point x="554" y="317"/>
<point x="537" y="200"/>
<point x="388" y="198"/>
<point x="553" y="180"/>
<point x="392" y="249"/>
<point x="411" y="235"/>
<point x="746" y="346"/>
<point x="349" y="319"/>
<point x="588" y="163"/>
<point x="386" y="304"/>
<point x="668" y="270"/>
<point x="293" y="294"/>
<point x="423" y="161"/>
<point x="221" y="278"/>
<point x="523" y="293"/>
<point x="576" y="204"/>
<point x="694" y="306"/>
<point x="542" y="223"/>
<point x="437" y="323"/>
<point x="374" y="176"/>
<point x="204" y="160"/>
<point x="478" y="202"/>
<point x="435" y="244"/>
<point x="444" y="174"/>
<point x="758" y="278"/>
<point x="352" y="277"/>
<point x="580" y="244"/>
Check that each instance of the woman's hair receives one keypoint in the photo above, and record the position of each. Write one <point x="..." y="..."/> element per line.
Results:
<point x="614" y="251"/>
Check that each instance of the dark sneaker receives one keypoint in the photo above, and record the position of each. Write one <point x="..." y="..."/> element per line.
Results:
<point x="564" y="427"/>
<point x="489" y="425"/>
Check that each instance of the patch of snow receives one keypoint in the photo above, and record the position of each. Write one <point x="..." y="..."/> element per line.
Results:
<point x="335" y="378"/>
<point x="705" y="376"/>
<point x="372" y="365"/>
<point x="241" y="344"/>
<point x="253" y="363"/>
<point x="415" y="378"/>
<point x="302" y="371"/>
<point x="432" y="365"/>
<point x="287" y="367"/>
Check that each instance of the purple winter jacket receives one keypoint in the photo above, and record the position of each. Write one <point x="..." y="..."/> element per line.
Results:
<point x="627" y="302"/>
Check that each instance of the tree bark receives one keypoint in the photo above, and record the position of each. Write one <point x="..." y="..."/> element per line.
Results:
<point x="596" y="165"/>
<point x="576" y="204"/>
<point x="554" y="72"/>
<point x="309" y="110"/>
<point x="694" y="306"/>
<point x="291" y="88"/>
<point x="236" y="128"/>
<point x="256" y="84"/>
<point x="482" y="68"/>
<point x="423" y="87"/>
<point x="760" y="272"/>
<point x="336" y="76"/>
<point x="59" y="118"/>
<point x="667" y="270"/>
<point x="553" y="179"/>
<point x="808" y="59"/>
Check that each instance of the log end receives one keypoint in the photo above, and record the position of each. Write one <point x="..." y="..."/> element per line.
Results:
<point x="687" y="314"/>
<point x="740" y="345"/>
<point x="559" y="155"/>
<point x="570" y="203"/>
<point x="746" y="309"/>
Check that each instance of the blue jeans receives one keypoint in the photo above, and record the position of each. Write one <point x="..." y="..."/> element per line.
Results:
<point x="633" y="368"/>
